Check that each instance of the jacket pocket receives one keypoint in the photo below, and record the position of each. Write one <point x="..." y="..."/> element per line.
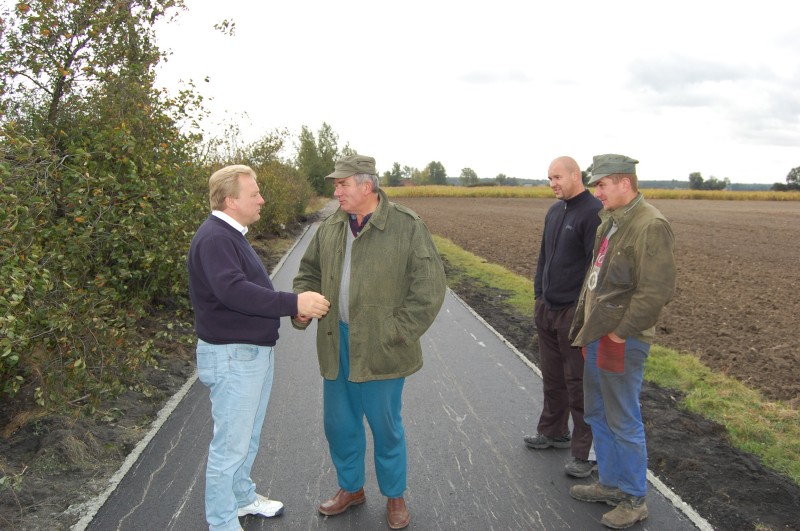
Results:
<point x="620" y="269"/>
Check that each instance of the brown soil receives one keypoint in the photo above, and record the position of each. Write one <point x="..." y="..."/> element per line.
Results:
<point x="735" y="308"/>
<point x="729" y="254"/>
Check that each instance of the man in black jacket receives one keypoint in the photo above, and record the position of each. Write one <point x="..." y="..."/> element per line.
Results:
<point x="564" y="256"/>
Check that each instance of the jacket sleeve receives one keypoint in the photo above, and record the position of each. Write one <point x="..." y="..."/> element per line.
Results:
<point x="655" y="279"/>
<point x="589" y="238"/>
<point x="309" y="276"/>
<point x="427" y="286"/>
<point x="227" y="280"/>
<point x="537" y="278"/>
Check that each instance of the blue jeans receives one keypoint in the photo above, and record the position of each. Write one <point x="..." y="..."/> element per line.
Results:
<point x="239" y="378"/>
<point x="345" y="405"/>
<point x="612" y="382"/>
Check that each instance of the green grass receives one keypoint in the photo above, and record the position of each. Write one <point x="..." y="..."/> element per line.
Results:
<point x="769" y="430"/>
<point x="494" y="275"/>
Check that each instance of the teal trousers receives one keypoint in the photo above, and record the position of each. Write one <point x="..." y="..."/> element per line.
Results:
<point x="345" y="405"/>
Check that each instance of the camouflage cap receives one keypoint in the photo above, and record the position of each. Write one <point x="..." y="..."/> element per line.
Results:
<point x="352" y="164"/>
<point x="605" y="165"/>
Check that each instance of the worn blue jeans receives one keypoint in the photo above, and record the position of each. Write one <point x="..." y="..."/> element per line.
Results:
<point x="239" y="378"/>
<point x="612" y="382"/>
<point x="345" y="405"/>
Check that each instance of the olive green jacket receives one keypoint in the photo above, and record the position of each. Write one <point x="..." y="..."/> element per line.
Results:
<point x="396" y="290"/>
<point x="636" y="279"/>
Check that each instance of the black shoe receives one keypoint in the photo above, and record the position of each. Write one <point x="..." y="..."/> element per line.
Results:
<point x="580" y="468"/>
<point x="540" y="442"/>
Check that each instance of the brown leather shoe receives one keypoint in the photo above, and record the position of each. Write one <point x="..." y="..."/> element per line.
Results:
<point x="342" y="501"/>
<point x="397" y="513"/>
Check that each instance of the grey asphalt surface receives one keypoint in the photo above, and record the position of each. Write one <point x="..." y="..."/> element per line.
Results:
<point x="465" y="414"/>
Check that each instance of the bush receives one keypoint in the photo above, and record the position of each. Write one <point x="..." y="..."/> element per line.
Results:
<point x="94" y="234"/>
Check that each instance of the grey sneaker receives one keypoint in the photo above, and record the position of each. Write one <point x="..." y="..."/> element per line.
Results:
<point x="597" y="493"/>
<point x="580" y="468"/>
<point x="631" y="510"/>
<point x="540" y="442"/>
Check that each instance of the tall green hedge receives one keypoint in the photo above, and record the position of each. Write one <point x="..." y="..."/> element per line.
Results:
<point x="92" y="237"/>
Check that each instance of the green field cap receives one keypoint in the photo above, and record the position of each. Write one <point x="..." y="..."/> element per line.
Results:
<point x="352" y="164"/>
<point x="604" y="165"/>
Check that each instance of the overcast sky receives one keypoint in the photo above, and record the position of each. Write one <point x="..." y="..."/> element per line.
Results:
<point x="506" y="86"/>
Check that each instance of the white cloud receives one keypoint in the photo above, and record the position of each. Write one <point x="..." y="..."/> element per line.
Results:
<point x="506" y="86"/>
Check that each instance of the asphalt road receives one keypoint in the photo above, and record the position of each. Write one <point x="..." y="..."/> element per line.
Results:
<point x="465" y="414"/>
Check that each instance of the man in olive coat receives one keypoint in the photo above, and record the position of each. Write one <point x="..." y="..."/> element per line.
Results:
<point x="377" y="264"/>
<point x="630" y="280"/>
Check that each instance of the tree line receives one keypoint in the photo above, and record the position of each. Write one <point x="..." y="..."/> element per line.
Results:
<point x="103" y="182"/>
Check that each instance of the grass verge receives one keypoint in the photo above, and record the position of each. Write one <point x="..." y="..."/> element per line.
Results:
<point x="769" y="430"/>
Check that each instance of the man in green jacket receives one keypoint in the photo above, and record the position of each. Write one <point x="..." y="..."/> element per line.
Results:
<point x="376" y="263"/>
<point x="631" y="278"/>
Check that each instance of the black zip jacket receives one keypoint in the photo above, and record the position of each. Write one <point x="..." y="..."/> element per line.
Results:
<point x="566" y="250"/>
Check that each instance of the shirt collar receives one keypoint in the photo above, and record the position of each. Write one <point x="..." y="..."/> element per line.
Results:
<point x="230" y="221"/>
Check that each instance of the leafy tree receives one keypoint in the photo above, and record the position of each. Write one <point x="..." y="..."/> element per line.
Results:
<point x="435" y="173"/>
<point x="97" y="195"/>
<point x="586" y="174"/>
<point x="347" y="151"/>
<point x="393" y="177"/>
<point x="468" y="177"/>
<point x="285" y="190"/>
<point x="307" y="158"/>
<point x="316" y="158"/>
<point x="792" y="181"/>
<point x="793" y="177"/>
<point x="503" y="180"/>
<point x="696" y="182"/>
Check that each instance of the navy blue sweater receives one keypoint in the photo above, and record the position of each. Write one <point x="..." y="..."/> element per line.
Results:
<point x="232" y="295"/>
<point x="566" y="249"/>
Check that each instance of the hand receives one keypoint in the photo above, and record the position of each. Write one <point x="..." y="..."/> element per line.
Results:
<point x="311" y="305"/>
<point x="302" y="319"/>
<point x="615" y="338"/>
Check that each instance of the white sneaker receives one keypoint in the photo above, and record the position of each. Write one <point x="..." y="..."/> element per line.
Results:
<point x="262" y="507"/>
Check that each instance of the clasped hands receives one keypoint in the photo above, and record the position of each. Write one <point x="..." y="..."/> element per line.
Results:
<point x="311" y="305"/>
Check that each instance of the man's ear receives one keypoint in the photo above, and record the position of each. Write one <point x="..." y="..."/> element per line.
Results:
<point x="229" y="202"/>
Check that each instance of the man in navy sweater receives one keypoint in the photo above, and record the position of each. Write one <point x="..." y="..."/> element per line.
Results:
<point x="237" y="315"/>
<point x="564" y="256"/>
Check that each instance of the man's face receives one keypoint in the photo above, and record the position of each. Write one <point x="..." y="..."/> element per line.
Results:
<point x="247" y="206"/>
<point x="351" y="195"/>
<point x="612" y="195"/>
<point x="564" y="184"/>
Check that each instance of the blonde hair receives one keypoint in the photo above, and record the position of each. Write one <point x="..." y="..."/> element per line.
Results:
<point x="225" y="183"/>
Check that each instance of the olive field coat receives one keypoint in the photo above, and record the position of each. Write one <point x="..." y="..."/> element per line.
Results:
<point x="397" y="286"/>
<point x="636" y="279"/>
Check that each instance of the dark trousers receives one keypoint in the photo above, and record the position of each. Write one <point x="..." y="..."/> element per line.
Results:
<point x="562" y="374"/>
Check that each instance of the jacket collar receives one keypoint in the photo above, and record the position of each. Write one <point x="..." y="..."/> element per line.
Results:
<point x="620" y="215"/>
<point x="578" y="199"/>
<point x="378" y="218"/>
